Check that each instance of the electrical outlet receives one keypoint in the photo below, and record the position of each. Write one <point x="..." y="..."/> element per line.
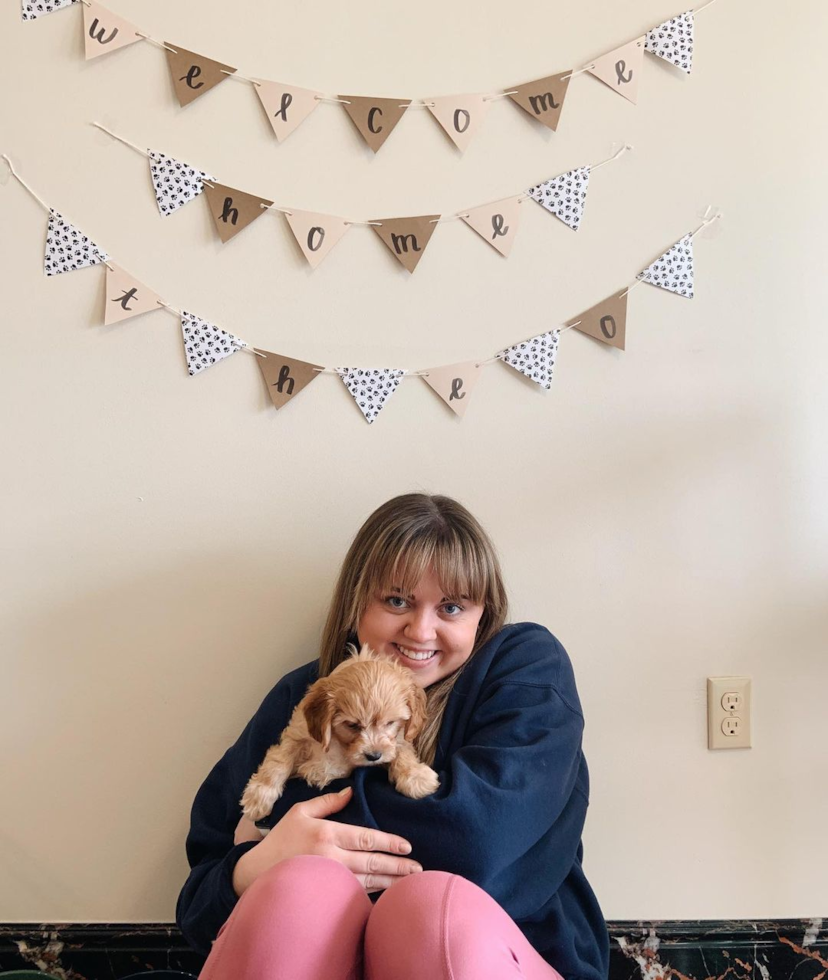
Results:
<point x="728" y="713"/>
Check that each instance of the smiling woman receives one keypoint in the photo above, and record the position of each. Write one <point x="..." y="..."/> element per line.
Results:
<point x="494" y="886"/>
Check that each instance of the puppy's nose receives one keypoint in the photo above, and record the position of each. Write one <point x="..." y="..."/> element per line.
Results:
<point x="372" y="756"/>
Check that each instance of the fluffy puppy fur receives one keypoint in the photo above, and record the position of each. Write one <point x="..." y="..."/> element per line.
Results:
<point x="366" y="712"/>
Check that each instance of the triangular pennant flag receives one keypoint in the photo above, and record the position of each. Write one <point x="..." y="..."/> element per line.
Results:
<point x="374" y="118"/>
<point x="371" y="388"/>
<point x="497" y="222"/>
<point x="193" y="74"/>
<point x="459" y="115"/>
<point x="285" y="377"/>
<point x="316" y="233"/>
<point x="287" y="106"/>
<point x="606" y="321"/>
<point x="534" y="357"/>
<point x="205" y="344"/>
<point x="454" y="383"/>
<point x="175" y="183"/>
<point x="621" y="69"/>
<point x="32" y="9"/>
<point x="674" y="269"/>
<point x="126" y="296"/>
<point x="564" y="196"/>
<point x="233" y="210"/>
<point x="406" y="238"/>
<point x="673" y="41"/>
<point x="67" y="248"/>
<point x="543" y="99"/>
<point x="104" y="31"/>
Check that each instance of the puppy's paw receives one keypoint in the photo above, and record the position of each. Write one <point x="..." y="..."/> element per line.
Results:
<point x="258" y="799"/>
<point x="417" y="782"/>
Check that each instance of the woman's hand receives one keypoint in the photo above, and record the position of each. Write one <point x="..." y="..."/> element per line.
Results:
<point x="303" y="830"/>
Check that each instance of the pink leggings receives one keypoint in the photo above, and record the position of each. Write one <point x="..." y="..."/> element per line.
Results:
<point x="308" y="918"/>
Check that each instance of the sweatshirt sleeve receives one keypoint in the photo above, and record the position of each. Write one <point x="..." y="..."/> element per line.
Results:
<point x="516" y="788"/>
<point x="208" y="898"/>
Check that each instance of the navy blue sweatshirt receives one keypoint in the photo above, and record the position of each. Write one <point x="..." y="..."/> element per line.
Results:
<point x="508" y="815"/>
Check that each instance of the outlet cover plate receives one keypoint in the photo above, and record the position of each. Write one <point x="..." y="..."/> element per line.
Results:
<point x="717" y="714"/>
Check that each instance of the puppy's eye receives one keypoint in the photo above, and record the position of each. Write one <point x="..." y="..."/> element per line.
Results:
<point x="353" y="725"/>
<point x="390" y="724"/>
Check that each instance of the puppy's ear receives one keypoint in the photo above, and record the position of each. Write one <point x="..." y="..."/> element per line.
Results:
<point x="318" y="709"/>
<point x="416" y="701"/>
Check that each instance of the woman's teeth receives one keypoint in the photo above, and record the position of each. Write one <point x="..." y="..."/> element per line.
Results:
<point x="414" y="655"/>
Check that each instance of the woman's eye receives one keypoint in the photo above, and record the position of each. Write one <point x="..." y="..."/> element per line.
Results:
<point x="453" y="606"/>
<point x="392" y="601"/>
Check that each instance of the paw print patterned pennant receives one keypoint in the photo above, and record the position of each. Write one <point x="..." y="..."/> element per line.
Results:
<point x="205" y="344"/>
<point x="564" y="196"/>
<point x="371" y="388"/>
<point x="673" y="41"/>
<point x="175" y="183"/>
<point x="535" y="357"/>
<point x="32" y="9"/>
<point x="674" y="269"/>
<point x="67" y="248"/>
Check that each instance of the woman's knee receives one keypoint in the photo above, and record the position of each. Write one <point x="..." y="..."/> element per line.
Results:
<point x="307" y="879"/>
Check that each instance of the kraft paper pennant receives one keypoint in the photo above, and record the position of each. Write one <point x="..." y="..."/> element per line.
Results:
<point x="205" y="344"/>
<point x="126" y="296"/>
<point x="459" y="115"/>
<point x="287" y="106"/>
<point x="67" y="248"/>
<point x="284" y="376"/>
<point x="543" y="99"/>
<point x="454" y="383"/>
<point x="233" y="210"/>
<point x="316" y="233"/>
<point x="175" y="183"/>
<point x="564" y="196"/>
<point x="606" y="321"/>
<point x="374" y="118"/>
<point x="621" y="69"/>
<point x="32" y="9"/>
<point x="673" y="41"/>
<point x="192" y="74"/>
<point x="534" y="357"/>
<point x="371" y="388"/>
<point x="104" y="31"/>
<point x="497" y="222"/>
<point x="674" y="269"/>
<point x="406" y="238"/>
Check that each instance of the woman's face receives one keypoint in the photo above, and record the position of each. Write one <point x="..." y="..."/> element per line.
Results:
<point x="426" y="631"/>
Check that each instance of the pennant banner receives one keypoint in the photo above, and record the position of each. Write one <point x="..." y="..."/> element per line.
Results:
<point x="621" y="69"/>
<point x="454" y="383"/>
<point x="674" y="269"/>
<point x="126" y="296"/>
<point x="564" y="196"/>
<point x="497" y="222"/>
<point x="316" y="233"/>
<point x="673" y="41"/>
<point x="406" y="238"/>
<point x="371" y="389"/>
<point x="67" y="248"/>
<point x="104" y="31"/>
<point x="233" y="210"/>
<point x="285" y="377"/>
<point x="460" y="116"/>
<point x="606" y="321"/>
<point x="205" y="343"/>
<point x="192" y="74"/>
<point x="175" y="183"/>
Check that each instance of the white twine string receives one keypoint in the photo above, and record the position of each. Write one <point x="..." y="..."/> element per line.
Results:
<point x="615" y="156"/>
<point x="707" y="220"/>
<point x="152" y="40"/>
<point x="240" y="77"/>
<point x="17" y="177"/>
<point x="121" y="139"/>
<point x="699" y="9"/>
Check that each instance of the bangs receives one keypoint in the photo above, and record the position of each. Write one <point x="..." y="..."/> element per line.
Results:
<point x="400" y="564"/>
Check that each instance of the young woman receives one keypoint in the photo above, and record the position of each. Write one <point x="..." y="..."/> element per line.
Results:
<point x="480" y="881"/>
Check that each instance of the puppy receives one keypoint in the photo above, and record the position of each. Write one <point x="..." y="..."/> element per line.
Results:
<point x="366" y="712"/>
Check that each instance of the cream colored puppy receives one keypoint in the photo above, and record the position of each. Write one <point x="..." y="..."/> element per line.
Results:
<point x="366" y="712"/>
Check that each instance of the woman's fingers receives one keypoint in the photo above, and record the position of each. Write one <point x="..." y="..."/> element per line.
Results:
<point x="376" y="883"/>
<point x="377" y="864"/>
<point x="364" y="839"/>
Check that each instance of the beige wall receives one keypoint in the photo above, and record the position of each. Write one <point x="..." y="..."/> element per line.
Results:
<point x="170" y="543"/>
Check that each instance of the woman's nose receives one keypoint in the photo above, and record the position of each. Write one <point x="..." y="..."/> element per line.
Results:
<point x="420" y="627"/>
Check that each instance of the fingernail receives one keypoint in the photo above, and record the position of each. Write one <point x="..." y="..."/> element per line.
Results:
<point x="405" y="848"/>
<point x="342" y="792"/>
<point x="416" y="868"/>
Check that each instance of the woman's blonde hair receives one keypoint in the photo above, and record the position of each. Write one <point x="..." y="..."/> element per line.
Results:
<point x="401" y="541"/>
